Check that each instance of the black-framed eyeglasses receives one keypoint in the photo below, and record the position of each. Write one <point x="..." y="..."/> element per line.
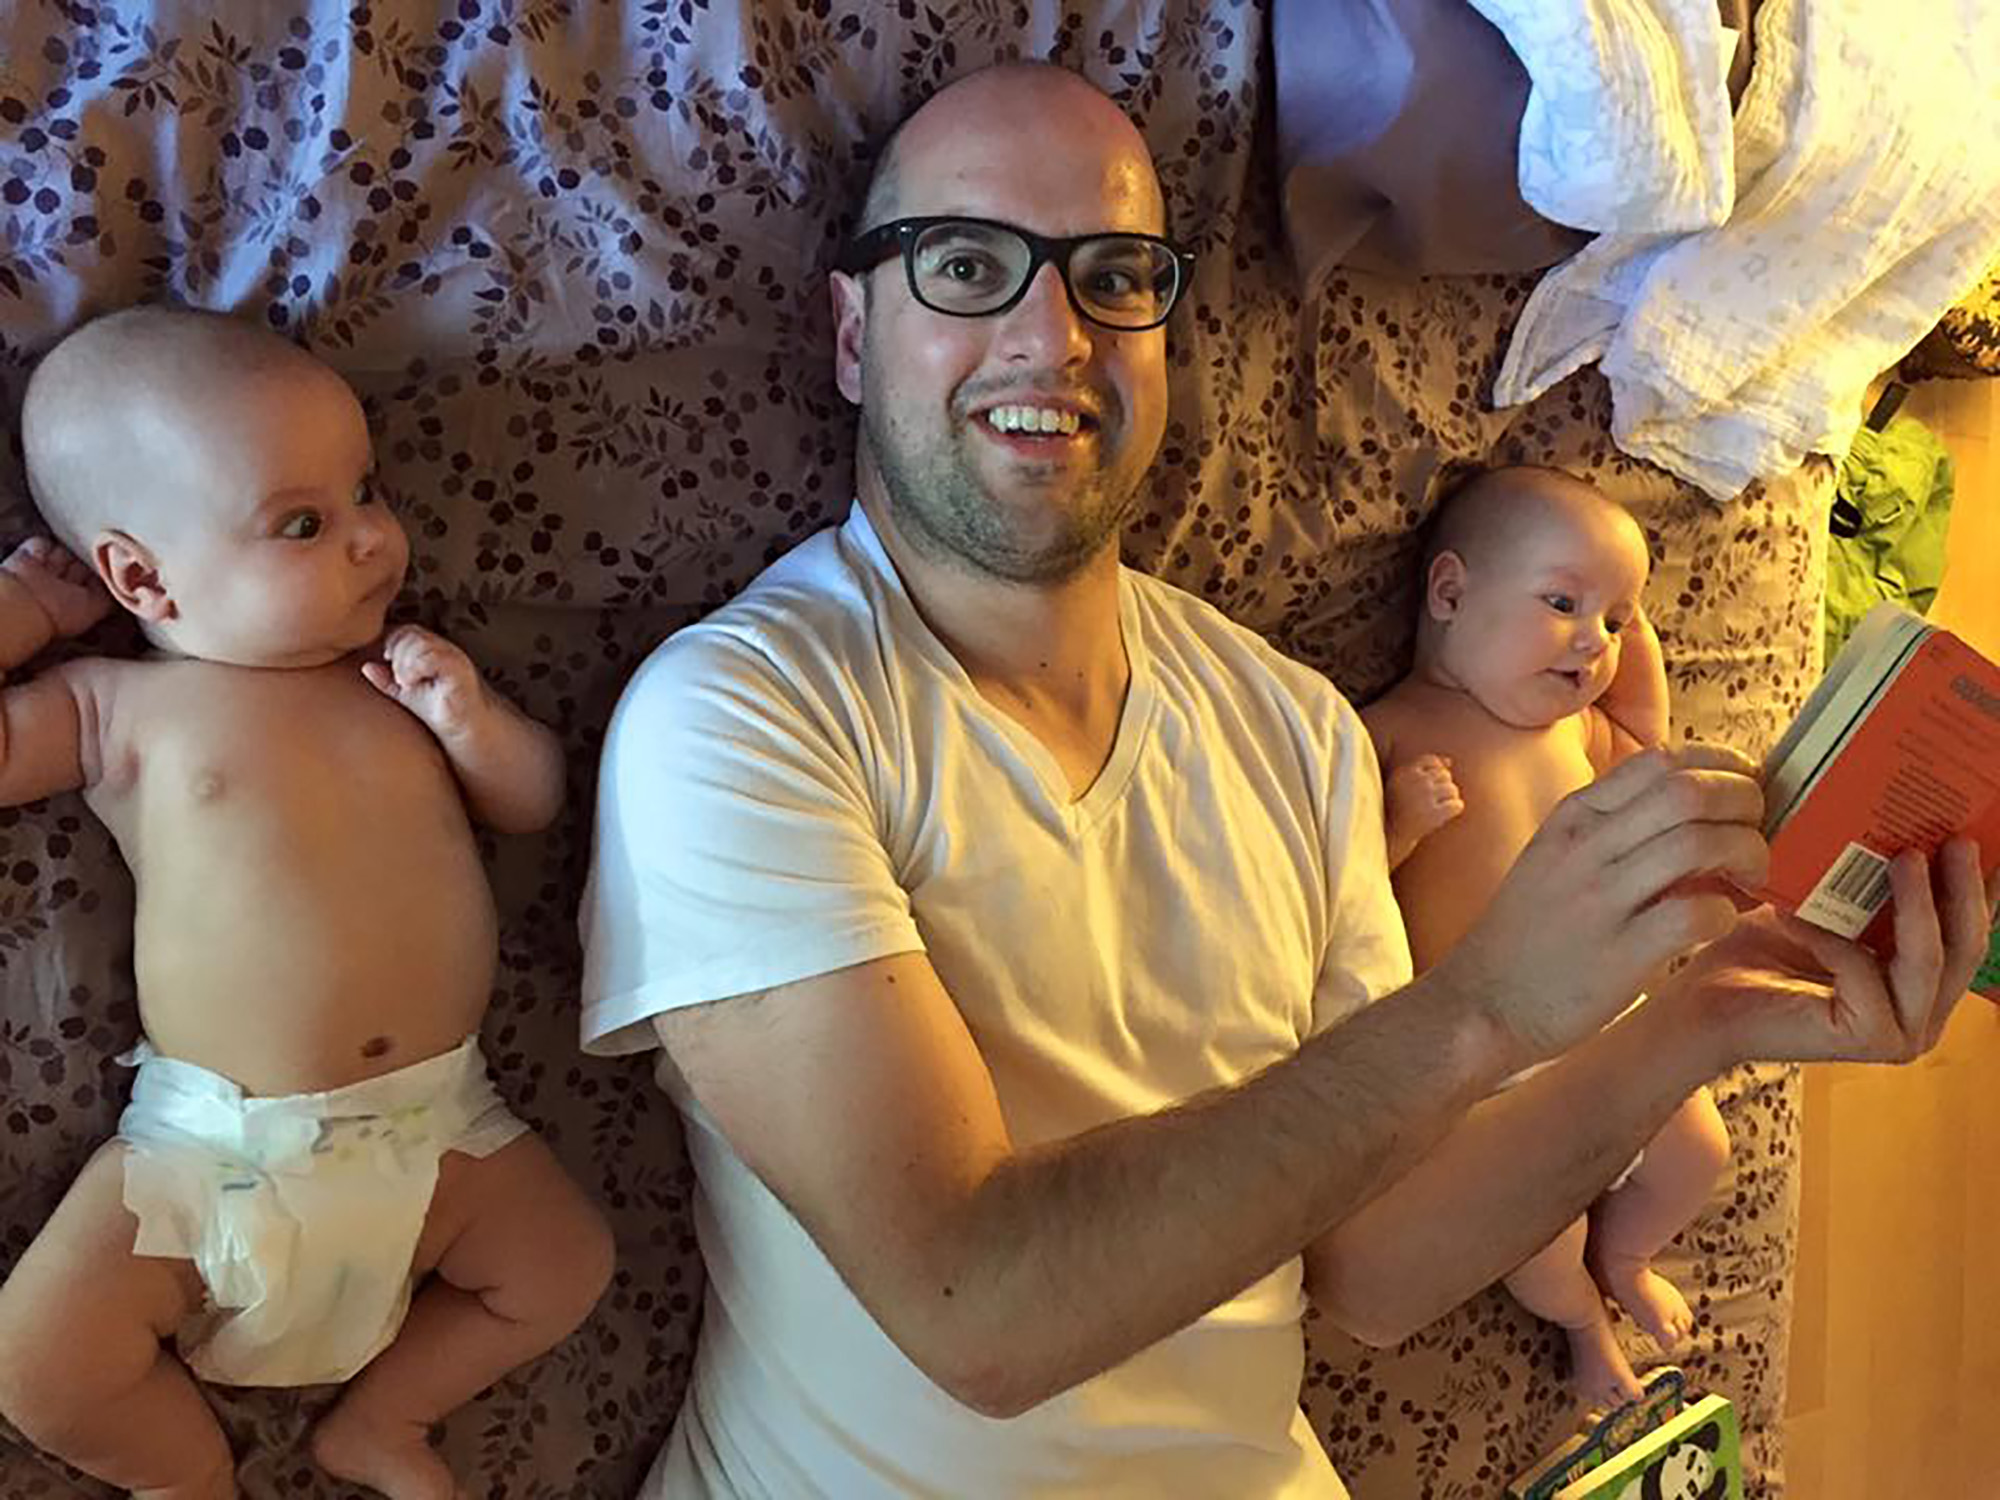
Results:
<point x="976" y="268"/>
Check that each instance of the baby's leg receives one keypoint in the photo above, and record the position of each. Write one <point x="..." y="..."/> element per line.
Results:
<point x="1633" y="1224"/>
<point x="1555" y="1287"/>
<point x="521" y="1256"/>
<point x="83" y="1370"/>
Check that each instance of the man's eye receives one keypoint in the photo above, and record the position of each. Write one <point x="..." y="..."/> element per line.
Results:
<point x="302" y="527"/>
<point x="965" y="268"/>
<point x="1113" y="284"/>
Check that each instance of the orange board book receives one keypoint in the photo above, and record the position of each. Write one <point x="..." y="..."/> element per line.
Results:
<point x="1897" y="748"/>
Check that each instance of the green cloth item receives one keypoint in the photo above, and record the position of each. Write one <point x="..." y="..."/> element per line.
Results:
<point x="1894" y="495"/>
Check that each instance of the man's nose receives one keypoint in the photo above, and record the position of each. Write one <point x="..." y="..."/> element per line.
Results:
<point x="1044" y="328"/>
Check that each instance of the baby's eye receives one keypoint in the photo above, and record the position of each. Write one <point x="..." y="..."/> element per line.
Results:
<point x="302" y="526"/>
<point x="1562" y="604"/>
<point x="364" y="492"/>
<point x="1612" y="627"/>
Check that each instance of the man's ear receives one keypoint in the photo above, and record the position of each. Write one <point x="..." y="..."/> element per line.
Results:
<point x="1444" y="586"/>
<point x="132" y="574"/>
<point x="850" y="323"/>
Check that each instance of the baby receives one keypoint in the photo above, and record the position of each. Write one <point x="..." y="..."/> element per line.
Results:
<point x="311" y="1132"/>
<point x="1536" y="671"/>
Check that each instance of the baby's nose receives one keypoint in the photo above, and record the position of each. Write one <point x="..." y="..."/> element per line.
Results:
<point x="1591" y="638"/>
<point x="370" y="531"/>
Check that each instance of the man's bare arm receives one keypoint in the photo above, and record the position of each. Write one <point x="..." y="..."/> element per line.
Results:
<point x="1518" y="1169"/>
<point x="1009" y="1275"/>
<point x="1523" y="1165"/>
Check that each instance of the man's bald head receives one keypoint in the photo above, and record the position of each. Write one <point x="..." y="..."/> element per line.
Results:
<point x="983" y="105"/>
<point x="124" y="406"/>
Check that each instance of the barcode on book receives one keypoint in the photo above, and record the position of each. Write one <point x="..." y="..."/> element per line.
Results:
<point x="1848" y="895"/>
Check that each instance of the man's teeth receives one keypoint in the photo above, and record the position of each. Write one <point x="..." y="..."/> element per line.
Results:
<point x="1033" y="419"/>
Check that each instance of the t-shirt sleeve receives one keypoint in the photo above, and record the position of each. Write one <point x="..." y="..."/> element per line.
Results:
<point x="1368" y="951"/>
<point x="737" y="846"/>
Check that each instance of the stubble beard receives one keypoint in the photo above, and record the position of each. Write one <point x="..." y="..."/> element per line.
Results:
<point x="939" y="506"/>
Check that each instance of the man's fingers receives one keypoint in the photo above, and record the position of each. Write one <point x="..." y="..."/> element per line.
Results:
<point x="1672" y="798"/>
<point x="1917" y="971"/>
<point x="1669" y="865"/>
<point x="1633" y="777"/>
<point x="1671" y="926"/>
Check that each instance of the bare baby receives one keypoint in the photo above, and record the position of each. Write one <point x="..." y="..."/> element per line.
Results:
<point x="315" y="1181"/>
<point x="1537" y="671"/>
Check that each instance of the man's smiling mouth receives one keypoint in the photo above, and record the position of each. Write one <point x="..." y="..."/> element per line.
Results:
<point x="1034" y="421"/>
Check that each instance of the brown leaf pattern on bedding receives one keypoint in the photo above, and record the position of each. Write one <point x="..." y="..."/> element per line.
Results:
<point x="568" y="255"/>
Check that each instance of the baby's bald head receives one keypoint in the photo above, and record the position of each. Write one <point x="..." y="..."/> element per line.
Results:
<point x="130" y="407"/>
<point x="1488" y="516"/>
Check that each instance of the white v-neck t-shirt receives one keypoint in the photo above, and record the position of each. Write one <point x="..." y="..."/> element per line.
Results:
<point x="807" y="780"/>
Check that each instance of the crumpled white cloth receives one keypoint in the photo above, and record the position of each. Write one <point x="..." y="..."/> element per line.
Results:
<point x="1868" y="201"/>
<point x="1627" y="126"/>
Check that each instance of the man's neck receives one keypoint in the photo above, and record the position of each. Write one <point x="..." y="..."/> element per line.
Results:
<point x="1050" y="656"/>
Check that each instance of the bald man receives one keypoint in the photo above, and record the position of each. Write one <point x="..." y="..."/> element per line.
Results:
<point x="1018" y="936"/>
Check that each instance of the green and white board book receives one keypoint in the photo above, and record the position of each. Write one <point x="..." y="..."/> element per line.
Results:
<point x="1667" y="1445"/>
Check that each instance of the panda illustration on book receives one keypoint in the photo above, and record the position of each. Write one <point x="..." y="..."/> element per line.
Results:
<point x="1686" y="1471"/>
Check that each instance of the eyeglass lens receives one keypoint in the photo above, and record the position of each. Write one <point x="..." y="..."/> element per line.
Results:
<point x="1121" y="280"/>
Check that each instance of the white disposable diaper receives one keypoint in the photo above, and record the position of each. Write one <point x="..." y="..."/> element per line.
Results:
<point x="300" y="1212"/>
<point x="1533" y="1068"/>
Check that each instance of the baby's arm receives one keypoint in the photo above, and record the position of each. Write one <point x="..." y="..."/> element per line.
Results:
<point x="1418" y="798"/>
<point x="45" y="595"/>
<point x="1419" y="795"/>
<point x="511" y="768"/>
<point x="1633" y="709"/>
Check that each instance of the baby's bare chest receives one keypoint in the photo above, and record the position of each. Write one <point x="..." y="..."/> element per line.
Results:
<point x="318" y="749"/>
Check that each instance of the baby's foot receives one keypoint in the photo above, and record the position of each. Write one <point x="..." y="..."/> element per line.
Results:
<point x="1599" y="1372"/>
<point x="1652" y="1301"/>
<point x="395" y="1458"/>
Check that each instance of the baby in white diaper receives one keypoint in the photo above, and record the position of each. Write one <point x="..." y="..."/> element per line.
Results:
<point x="312" y="1135"/>
<point x="1536" y="671"/>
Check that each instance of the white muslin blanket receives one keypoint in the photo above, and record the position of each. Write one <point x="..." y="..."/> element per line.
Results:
<point x="1626" y="127"/>
<point x="1867" y="201"/>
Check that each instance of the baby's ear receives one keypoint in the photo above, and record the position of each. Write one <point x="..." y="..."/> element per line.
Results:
<point x="1444" y="586"/>
<point x="132" y="574"/>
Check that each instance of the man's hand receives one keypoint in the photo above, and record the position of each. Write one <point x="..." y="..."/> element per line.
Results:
<point x="430" y="677"/>
<point x="1777" y="989"/>
<point x="64" y="588"/>
<point x="1606" y="892"/>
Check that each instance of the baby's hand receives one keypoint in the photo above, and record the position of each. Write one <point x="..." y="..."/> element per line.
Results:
<point x="66" y="590"/>
<point x="1421" y="797"/>
<point x="430" y="677"/>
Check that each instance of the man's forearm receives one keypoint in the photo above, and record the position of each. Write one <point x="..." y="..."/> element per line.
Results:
<point x="1061" y="1264"/>
<point x="1504" y="1182"/>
